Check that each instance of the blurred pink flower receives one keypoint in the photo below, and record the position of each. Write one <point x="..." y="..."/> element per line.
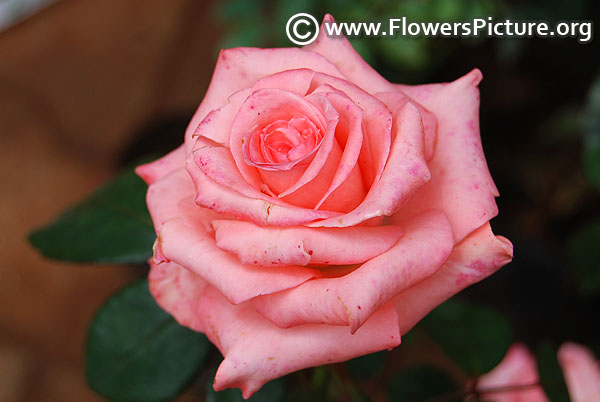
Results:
<point x="516" y="378"/>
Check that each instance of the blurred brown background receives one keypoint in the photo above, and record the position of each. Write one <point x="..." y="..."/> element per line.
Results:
<point x="77" y="81"/>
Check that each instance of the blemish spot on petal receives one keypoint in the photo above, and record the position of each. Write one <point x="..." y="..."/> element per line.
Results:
<point x="348" y="312"/>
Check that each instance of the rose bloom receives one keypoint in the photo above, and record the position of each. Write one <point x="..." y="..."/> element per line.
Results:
<point x="316" y="212"/>
<point x="516" y="378"/>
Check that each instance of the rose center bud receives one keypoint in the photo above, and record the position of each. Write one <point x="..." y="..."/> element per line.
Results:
<point x="282" y="144"/>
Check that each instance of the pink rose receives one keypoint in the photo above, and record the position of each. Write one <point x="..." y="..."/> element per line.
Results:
<point x="316" y="211"/>
<point x="582" y="372"/>
<point x="516" y="378"/>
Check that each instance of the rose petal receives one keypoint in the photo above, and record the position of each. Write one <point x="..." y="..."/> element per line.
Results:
<point x="352" y="65"/>
<point x="377" y="121"/>
<point x="185" y="244"/>
<point x="255" y="350"/>
<point x="581" y="371"/>
<point x="475" y="258"/>
<point x="178" y="291"/>
<point x="349" y="135"/>
<point x="269" y="246"/>
<point x="263" y="107"/>
<point x="185" y="238"/>
<point x="260" y="211"/>
<point x="405" y="172"/>
<point x="288" y="350"/>
<point x="217" y="164"/>
<point x="240" y="68"/>
<point x="172" y="196"/>
<point x="352" y="298"/>
<point x="343" y="199"/>
<point x="314" y="179"/>
<point x="153" y="171"/>
<point x="297" y="81"/>
<point x="518" y="368"/>
<point x="323" y="153"/>
<point x="394" y="100"/>
<point x="461" y="183"/>
<point x="340" y="52"/>
<point x="216" y="126"/>
<point x="426" y="92"/>
<point x="430" y="127"/>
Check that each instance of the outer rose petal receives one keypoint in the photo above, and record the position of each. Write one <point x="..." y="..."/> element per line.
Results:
<point x="581" y="371"/>
<point x="461" y="184"/>
<point x="216" y="126"/>
<point x="269" y="246"/>
<point x="178" y="291"/>
<point x="352" y="298"/>
<point x="153" y="171"/>
<point x="240" y="68"/>
<point x="255" y="350"/>
<point x="218" y="165"/>
<point x="518" y="368"/>
<point x="475" y="258"/>
<point x="184" y="237"/>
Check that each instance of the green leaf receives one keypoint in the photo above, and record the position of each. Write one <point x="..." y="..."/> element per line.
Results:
<point x="585" y="254"/>
<point x="551" y="376"/>
<point x="474" y="337"/>
<point x="137" y="352"/>
<point x="112" y="225"/>
<point x="422" y="383"/>
<point x="273" y="391"/>
<point x="367" y="365"/>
